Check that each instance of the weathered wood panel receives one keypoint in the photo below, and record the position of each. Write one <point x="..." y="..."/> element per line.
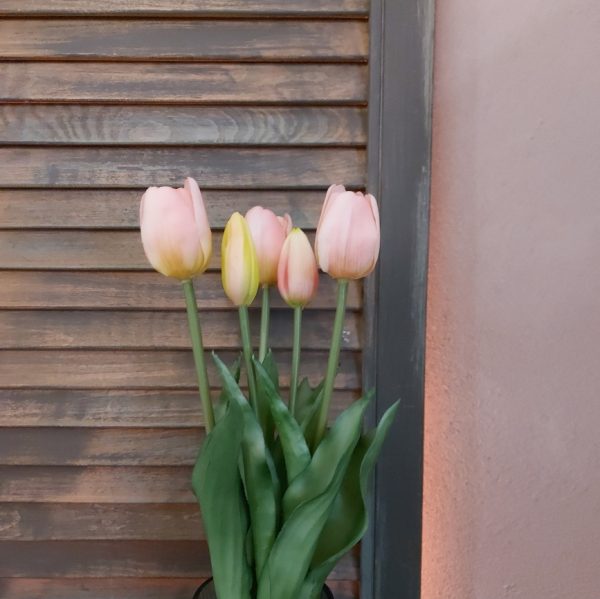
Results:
<point x="120" y="209"/>
<point x="114" y="408"/>
<point x="82" y="250"/>
<point x="88" y="39"/>
<point x="195" y="8"/>
<point x="89" y="369"/>
<point x="30" y="124"/>
<point x="135" y="290"/>
<point x="99" y="521"/>
<point x="124" y="588"/>
<point x="183" y="83"/>
<point x="59" y="329"/>
<point x="216" y="167"/>
<point x="186" y="559"/>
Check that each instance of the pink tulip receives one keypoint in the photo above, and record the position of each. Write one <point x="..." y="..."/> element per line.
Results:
<point x="175" y="232"/>
<point x="268" y="234"/>
<point x="297" y="273"/>
<point x="347" y="242"/>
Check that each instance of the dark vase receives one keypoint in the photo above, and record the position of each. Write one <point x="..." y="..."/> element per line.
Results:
<point x="207" y="591"/>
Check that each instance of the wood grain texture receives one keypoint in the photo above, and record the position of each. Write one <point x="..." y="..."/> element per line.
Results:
<point x="187" y="8"/>
<point x="120" y="209"/>
<point x="213" y="167"/>
<point x="183" y="83"/>
<point x="51" y="446"/>
<point x="99" y="521"/>
<point x="99" y="559"/>
<point x="173" y="369"/>
<point x="66" y="329"/>
<point x="125" y="39"/>
<point x="82" y="250"/>
<point x="180" y="125"/>
<point x="136" y="291"/>
<point x="125" y="588"/>
<point x="166" y="408"/>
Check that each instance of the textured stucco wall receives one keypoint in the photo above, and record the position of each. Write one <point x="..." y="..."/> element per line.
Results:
<point x="512" y="466"/>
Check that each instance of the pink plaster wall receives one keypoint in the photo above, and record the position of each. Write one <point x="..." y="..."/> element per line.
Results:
<point x="512" y="465"/>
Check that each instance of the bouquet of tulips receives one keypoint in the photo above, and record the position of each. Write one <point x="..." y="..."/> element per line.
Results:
<point x="282" y="497"/>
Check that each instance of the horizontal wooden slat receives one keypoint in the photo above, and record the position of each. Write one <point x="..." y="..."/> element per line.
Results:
<point x="134" y="290"/>
<point x="98" y="559"/>
<point x="99" y="447"/>
<point x="99" y="521"/>
<point x="58" y="329"/>
<point x="200" y="8"/>
<point x="82" y="250"/>
<point x="88" y="369"/>
<point x="89" y="39"/>
<point x="120" y="209"/>
<point x="180" y="125"/>
<point x="125" y="588"/>
<point x="114" y="408"/>
<point x="216" y="167"/>
<point x="182" y="82"/>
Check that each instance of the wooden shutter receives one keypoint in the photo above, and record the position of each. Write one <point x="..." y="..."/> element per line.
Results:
<point x="263" y="102"/>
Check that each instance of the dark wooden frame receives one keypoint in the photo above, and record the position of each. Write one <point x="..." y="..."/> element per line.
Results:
<point x="399" y="176"/>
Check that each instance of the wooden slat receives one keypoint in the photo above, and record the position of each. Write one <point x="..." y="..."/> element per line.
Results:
<point x="119" y="209"/>
<point x="82" y="250"/>
<point x="196" y="8"/>
<point x="216" y="167"/>
<point x="99" y="559"/>
<point x="88" y="369"/>
<point x="125" y="588"/>
<point x="134" y="290"/>
<point x="125" y="39"/>
<point x="99" y="521"/>
<point x="58" y="329"/>
<point x="182" y="82"/>
<point x="99" y="447"/>
<point x="114" y="408"/>
<point x="180" y="125"/>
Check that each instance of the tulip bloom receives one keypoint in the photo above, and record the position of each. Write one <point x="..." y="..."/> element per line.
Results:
<point x="268" y="234"/>
<point x="347" y="242"/>
<point x="175" y="232"/>
<point x="297" y="273"/>
<point x="239" y="265"/>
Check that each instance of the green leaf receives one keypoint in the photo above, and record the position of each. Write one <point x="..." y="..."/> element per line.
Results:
<point x="348" y="520"/>
<point x="292" y="552"/>
<point x="220" y="405"/>
<point x="260" y="480"/>
<point x="270" y="366"/>
<point x="337" y="444"/>
<point x="306" y="399"/>
<point x="294" y="448"/>
<point x="217" y="484"/>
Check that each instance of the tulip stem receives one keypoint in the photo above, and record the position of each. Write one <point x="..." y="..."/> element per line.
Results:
<point x="334" y="356"/>
<point x="198" y="350"/>
<point x="264" y="324"/>
<point x="247" y="350"/>
<point x="295" y="358"/>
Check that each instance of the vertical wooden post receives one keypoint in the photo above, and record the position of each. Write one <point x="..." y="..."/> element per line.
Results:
<point x="399" y="176"/>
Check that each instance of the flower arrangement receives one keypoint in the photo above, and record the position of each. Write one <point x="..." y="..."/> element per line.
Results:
<point x="282" y="497"/>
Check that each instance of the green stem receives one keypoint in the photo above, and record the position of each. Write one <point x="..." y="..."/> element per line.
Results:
<point x="264" y="324"/>
<point x="295" y="358"/>
<point x="247" y="349"/>
<point x="334" y="356"/>
<point x="198" y="349"/>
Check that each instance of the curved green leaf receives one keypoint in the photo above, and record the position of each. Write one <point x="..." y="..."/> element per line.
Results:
<point x="290" y="557"/>
<point x="295" y="450"/>
<point x="339" y="442"/>
<point x="260" y="481"/>
<point x="348" y="520"/>
<point x="217" y="484"/>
